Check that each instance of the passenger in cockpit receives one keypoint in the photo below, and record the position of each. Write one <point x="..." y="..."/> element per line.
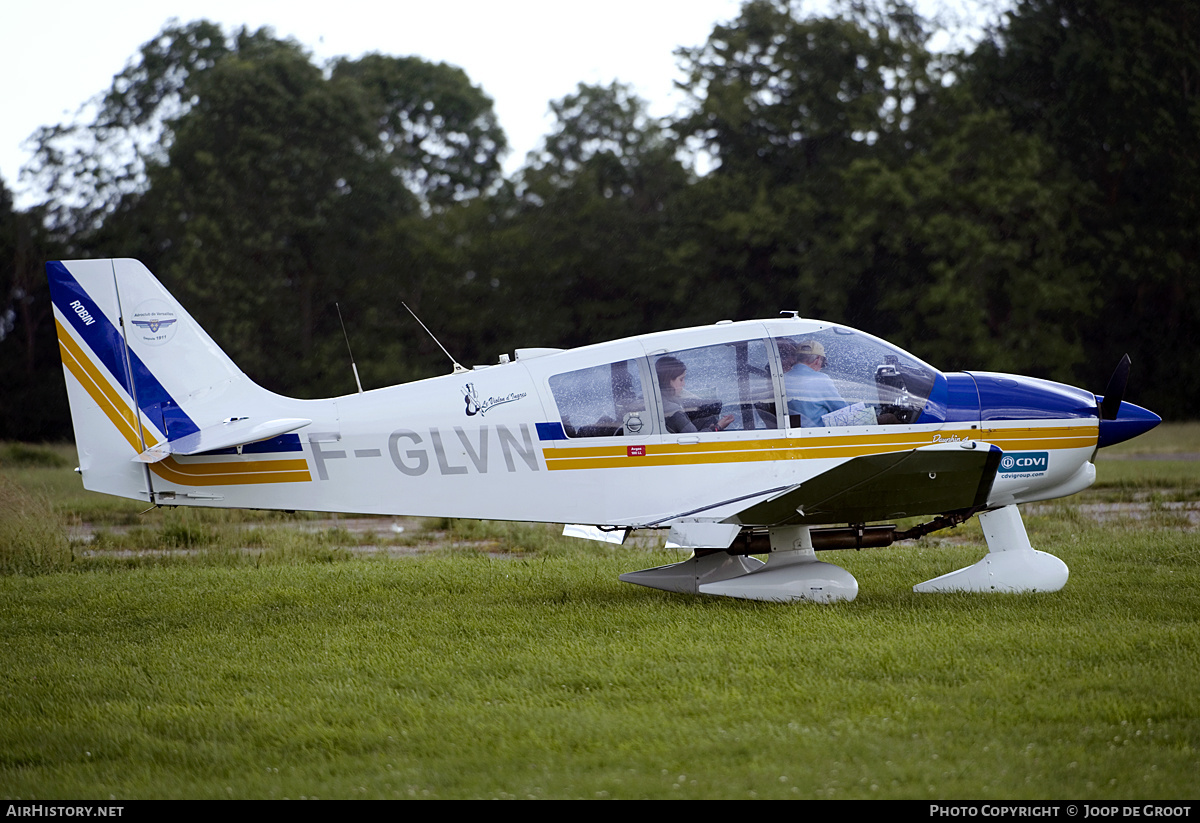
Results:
<point x="672" y="374"/>
<point x="811" y="393"/>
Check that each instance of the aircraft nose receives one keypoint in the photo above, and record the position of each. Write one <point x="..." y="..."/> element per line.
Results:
<point x="1130" y="421"/>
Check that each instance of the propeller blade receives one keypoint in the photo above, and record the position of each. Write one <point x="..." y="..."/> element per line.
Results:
<point x="1114" y="392"/>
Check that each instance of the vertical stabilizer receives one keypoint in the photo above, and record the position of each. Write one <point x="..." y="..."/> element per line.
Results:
<point x="140" y="372"/>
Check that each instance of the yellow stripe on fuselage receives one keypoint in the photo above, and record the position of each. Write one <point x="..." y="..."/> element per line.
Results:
<point x="233" y="474"/>
<point x="812" y="448"/>
<point x="1042" y="437"/>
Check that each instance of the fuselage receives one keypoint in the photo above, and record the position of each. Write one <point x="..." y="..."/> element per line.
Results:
<point x="755" y="431"/>
<point x="592" y="435"/>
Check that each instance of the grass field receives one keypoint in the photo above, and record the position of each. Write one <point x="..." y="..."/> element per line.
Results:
<point x="187" y="654"/>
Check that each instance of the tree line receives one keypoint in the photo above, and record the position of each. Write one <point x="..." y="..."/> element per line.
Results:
<point x="1028" y="205"/>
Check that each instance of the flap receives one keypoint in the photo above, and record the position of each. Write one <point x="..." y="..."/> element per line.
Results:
<point x="595" y="533"/>
<point x="702" y="535"/>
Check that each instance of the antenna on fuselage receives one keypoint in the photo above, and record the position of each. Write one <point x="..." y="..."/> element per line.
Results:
<point x="457" y="368"/>
<point x="353" y="367"/>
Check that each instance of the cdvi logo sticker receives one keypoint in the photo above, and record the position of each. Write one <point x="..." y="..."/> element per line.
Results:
<point x="1032" y="462"/>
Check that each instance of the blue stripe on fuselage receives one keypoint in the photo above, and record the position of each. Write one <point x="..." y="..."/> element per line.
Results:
<point x="551" y="431"/>
<point x="282" y="443"/>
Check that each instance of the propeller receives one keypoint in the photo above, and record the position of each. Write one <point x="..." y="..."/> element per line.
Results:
<point x="1120" y="421"/>
<point x="1114" y="392"/>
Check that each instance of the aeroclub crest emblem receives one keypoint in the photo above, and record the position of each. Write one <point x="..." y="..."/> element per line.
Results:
<point x="154" y="322"/>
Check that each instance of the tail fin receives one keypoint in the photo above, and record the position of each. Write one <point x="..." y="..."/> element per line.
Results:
<point x="145" y="381"/>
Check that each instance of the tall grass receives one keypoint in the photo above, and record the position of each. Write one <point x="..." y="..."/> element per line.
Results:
<point x="27" y="454"/>
<point x="32" y="537"/>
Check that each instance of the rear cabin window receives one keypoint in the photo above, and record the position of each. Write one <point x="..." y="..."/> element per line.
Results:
<point x="717" y="388"/>
<point x="603" y="401"/>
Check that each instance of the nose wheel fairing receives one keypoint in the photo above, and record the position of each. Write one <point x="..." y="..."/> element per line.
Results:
<point x="1011" y="564"/>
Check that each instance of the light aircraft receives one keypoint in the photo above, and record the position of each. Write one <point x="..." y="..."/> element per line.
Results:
<point x="704" y="431"/>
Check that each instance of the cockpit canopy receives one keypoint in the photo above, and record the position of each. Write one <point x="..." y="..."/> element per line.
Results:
<point x="879" y="383"/>
<point x="826" y="377"/>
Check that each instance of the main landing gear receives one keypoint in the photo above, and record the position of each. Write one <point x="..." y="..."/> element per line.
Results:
<point x="792" y="571"/>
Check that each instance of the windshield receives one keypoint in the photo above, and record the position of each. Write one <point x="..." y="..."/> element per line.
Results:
<point x="840" y="377"/>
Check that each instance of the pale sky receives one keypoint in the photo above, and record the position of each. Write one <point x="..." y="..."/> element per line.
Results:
<point x="56" y="55"/>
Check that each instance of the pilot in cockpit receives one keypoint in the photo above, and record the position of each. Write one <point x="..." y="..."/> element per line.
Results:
<point x="811" y="393"/>
<point x="672" y="374"/>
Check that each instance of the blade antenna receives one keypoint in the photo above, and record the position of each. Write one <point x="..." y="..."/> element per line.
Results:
<point x="353" y="367"/>
<point x="457" y="368"/>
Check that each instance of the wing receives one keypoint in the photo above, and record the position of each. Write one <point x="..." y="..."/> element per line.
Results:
<point x="933" y="479"/>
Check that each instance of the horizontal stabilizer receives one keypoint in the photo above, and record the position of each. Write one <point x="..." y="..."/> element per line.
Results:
<point x="229" y="434"/>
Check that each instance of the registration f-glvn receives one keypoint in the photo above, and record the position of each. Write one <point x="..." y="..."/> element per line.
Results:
<point x="775" y="437"/>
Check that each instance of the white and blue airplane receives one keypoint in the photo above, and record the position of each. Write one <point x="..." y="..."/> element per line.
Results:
<point x="775" y="437"/>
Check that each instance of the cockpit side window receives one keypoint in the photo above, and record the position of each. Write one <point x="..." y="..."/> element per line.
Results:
<point x="603" y="401"/>
<point x="716" y="388"/>
<point x="838" y="377"/>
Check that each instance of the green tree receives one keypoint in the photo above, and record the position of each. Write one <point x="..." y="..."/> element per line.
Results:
<point x="261" y="199"/>
<point x="785" y="104"/>
<point x="585" y="241"/>
<point x="781" y="96"/>
<point x="858" y="182"/>
<point x="1114" y="89"/>
<point x="33" y="404"/>
<point x="962" y="253"/>
<point x="436" y="128"/>
<point x="259" y="183"/>
<point x="92" y="165"/>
